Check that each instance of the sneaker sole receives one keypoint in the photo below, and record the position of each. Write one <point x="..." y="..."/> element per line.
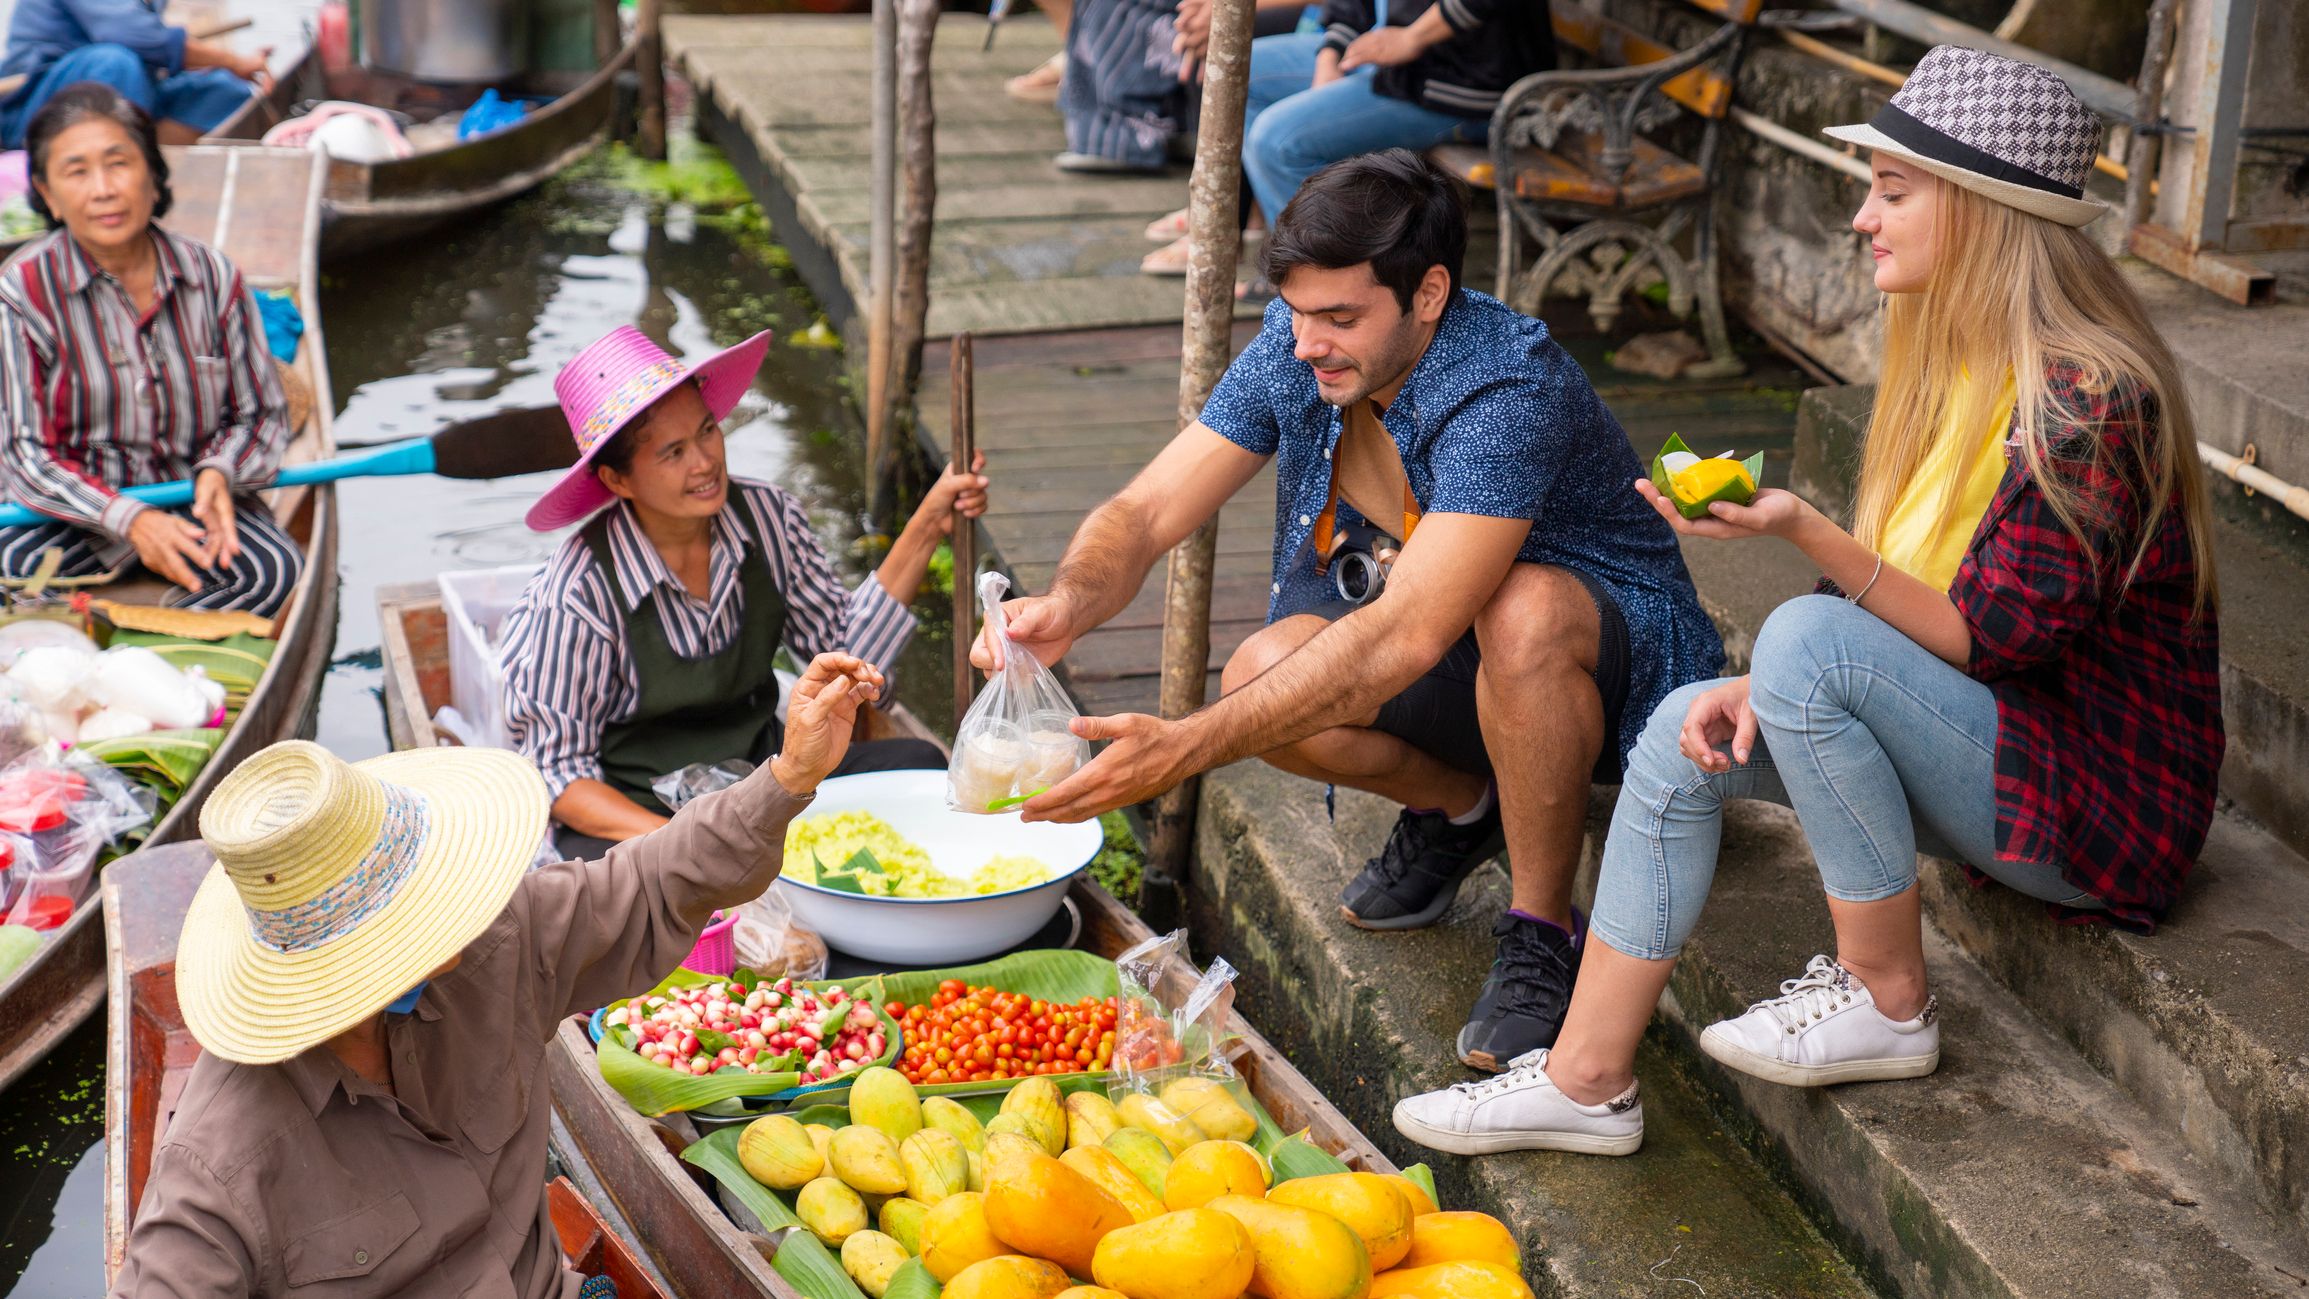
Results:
<point x="1434" y="910"/>
<point x="1732" y="1055"/>
<point x="1491" y="1143"/>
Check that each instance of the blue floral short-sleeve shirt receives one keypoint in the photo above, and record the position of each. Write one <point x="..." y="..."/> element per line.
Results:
<point x="1496" y="419"/>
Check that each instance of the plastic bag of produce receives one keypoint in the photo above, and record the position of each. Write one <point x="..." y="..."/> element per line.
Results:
<point x="676" y="788"/>
<point x="1171" y="1023"/>
<point x="773" y="944"/>
<point x="66" y="808"/>
<point x="1015" y="741"/>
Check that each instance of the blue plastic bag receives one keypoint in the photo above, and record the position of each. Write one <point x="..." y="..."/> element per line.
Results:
<point x="493" y="112"/>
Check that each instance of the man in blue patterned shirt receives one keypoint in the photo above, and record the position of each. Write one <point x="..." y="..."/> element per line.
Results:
<point x="1533" y="607"/>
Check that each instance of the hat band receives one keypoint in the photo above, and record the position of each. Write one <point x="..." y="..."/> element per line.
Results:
<point x="1939" y="146"/>
<point x="636" y="390"/>
<point x="340" y="908"/>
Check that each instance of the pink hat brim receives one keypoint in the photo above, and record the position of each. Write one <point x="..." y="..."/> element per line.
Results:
<point x="722" y="379"/>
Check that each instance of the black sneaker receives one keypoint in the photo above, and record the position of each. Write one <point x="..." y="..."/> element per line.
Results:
<point x="1523" y="1003"/>
<point x="1414" y="879"/>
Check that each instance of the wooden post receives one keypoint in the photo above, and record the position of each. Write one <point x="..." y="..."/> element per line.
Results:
<point x="2141" y="158"/>
<point x="882" y="246"/>
<point x="649" y="60"/>
<point x="962" y="417"/>
<point x="1204" y="352"/>
<point x="918" y="149"/>
<point x="607" y="35"/>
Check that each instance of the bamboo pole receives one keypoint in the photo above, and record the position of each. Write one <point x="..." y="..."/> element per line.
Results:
<point x="918" y="149"/>
<point x="649" y="60"/>
<point x="962" y="418"/>
<point x="607" y="33"/>
<point x="2142" y="158"/>
<point x="1205" y="350"/>
<point x="882" y="247"/>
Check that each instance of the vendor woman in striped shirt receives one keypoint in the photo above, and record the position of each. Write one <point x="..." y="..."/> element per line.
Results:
<point x="645" y="643"/>
<point x="130" y="354"/>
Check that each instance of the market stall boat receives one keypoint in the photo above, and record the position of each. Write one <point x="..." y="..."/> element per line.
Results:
<point x="262" y="207"/>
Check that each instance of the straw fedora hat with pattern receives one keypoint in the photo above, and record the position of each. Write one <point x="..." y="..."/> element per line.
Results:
<point x="339" y="886"/>
<point x="614" y="381"/>
<point x="2007" y="130"/>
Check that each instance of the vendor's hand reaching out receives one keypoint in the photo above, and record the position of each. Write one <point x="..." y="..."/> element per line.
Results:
<point x="821" y="715"/>
<point x="1717" y="716"/>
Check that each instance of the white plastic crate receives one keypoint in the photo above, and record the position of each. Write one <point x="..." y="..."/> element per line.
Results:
<point x="476" y="602"/>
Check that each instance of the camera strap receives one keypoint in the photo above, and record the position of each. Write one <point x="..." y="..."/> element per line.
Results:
<point x="1327" y="523"/>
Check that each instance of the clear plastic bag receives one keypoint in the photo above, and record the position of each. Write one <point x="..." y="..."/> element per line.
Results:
<point x="676" y="788"/>
<point x="1171" y="1044"/>
<point x="1015" y="741"/>
<point x="773" y="944"/>
<point x="66" y="809"/>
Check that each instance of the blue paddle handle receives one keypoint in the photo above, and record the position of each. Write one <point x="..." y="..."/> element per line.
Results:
<point x="414" y="456"/>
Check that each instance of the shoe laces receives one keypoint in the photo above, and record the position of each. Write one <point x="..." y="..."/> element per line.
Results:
<point x="1529" y="967"/>
<point x="1522" y="1069"/>
<point x="1809" y="998"/>
<point x="1407" y="843"/>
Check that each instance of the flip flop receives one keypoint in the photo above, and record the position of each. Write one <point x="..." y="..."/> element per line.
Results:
<point x="1171" y="259"/>
<point x="1042" y="84"/>
<point x="1169" y="228"/>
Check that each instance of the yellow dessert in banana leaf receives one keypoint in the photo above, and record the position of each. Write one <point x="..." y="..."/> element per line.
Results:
<point x="1695" y="484"/>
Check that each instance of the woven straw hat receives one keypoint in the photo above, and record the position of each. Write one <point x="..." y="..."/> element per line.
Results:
<point x="339" y="886"/>
<point x="2008" y="130"/>
<point x="613" y="382"/>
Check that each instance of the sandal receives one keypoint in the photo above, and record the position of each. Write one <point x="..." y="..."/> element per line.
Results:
<point x="1168" y="228"/>
<point x="1170" y="259"/>
<point x="1041" y="85"/>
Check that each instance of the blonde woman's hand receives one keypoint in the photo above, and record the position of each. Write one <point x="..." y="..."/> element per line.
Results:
<point x="1772" y="512"/>
<point x="1716" y="716"/>
<point x="821" y="714"/>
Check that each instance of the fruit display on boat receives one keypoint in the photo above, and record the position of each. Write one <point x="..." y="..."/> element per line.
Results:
<point x="977" y="1034"/>
<point x="764" y="1028"/>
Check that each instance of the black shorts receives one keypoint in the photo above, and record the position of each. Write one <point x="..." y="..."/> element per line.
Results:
<point x="1436" y="714"/>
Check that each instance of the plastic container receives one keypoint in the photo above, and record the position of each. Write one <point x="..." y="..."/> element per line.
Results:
<point x="716" y="952"/>
<point x="476" y="602"/>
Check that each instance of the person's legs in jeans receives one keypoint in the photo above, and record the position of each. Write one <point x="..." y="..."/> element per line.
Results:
<point x="114" y="65"/>
<point x="202" y="98"/>
<point x="1299" y="136"/>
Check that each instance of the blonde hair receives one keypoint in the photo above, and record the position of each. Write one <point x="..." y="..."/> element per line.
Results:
<point x="2015" y="292"/>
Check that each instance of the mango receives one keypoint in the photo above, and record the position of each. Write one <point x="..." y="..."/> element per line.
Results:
<point x="1009" y="1276"/>
<point x="976" y="1176"/>
<point x="1014" y="1124"/>
<point x="1209" y="1169"/>
<point x="901" y="1218"/>
<point x="880" y="1097"/>
<point x="779" y="1154"/>
<point x="821" y="1136"/>
<point x="1206" y="1103"/>
<point x="1144" y="1154"/>
<point x="1039" y="1206"/>
<point x="1192" y="1254"/>
<point x="1148" y="1114"/>
<point x="871" y="1259"/>
<point x="1698" y="481"/>
<point x="1090" y="1292"/>
<point x="1421" y="1201"/>
<point x="954" y="1118"/>
<point x="1110" y="1175"/>
<point x="1090" y="1119"/>
<point x="1442" y="1237"/>
<point x="866" y="1160"/>
<point x="833" y="1212"/>
<point x="1036" y="1101"/>
<point x="955" y="1235"/>
<point x="1378" y="1212"/>
<point x="1299" y="1253"/>
<point x="1461" y="1278"/>
<point x="935" y="1164"/>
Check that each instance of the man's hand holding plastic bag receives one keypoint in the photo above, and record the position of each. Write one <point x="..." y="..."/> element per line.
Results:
<point x="1022" y="734"/>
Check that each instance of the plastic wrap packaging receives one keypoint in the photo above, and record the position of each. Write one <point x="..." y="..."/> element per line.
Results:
<point x="66" y="809"/>
<point x="769" y="940"/>
<point x="1015" y="741"/>
<point x="1170" y="1045"/>
<point x="676" y="788"/>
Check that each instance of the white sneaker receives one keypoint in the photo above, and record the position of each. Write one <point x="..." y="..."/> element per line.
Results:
<point x="1825" y="1028"/>
<point x="1521" y="1109"/>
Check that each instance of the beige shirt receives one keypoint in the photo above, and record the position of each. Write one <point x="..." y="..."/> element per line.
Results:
<point x="303" y="1178"/>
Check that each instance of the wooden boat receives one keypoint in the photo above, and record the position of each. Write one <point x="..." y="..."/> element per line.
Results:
<point x="369" y="205"/>
<point x="149" y="1054"/>
<point x="262" y="206"/>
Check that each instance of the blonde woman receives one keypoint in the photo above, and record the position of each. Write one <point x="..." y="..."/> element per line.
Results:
<point x="2012" y="660"/>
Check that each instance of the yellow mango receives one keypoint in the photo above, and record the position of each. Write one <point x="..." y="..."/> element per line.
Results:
<point x="779" y="1154"/>
<point x="1039" y="1206"/>
<point x="821" y="1136"/>
<point x="833" y="1212"/>
<point x="867" y="1161"/>
<point x="1112" y="1176"/>
<point x="1421" y="1201"/>
<point x="952" y="1117"/>
<point x="1209" y="1169"/>
<point x="1442" y="1237"/>
<point x="1089" y="1292"/>
<point x="871" y="1259"/>
<point x="880" y="1097"/>
<point x="936" y="1165"/>
<point x="1708" y="475"/>
<point x="1194" y="1254"/>
<point x="976" y="1177"/>
<point x="955" y="1235"/>
<point x="1369" y="1203"/>
<point x="901" y="1218"/>
<point x="1206" y="1103"/>
<point x="1090" y="1119"/>
<point x="1148" y="1114"/>
<point x="1144" y="1154"/>
<point x="1299" y="1253"/>
<point x="1036" y="1102"/>
<point x="1461" y="1278"/>
<point x="1009" y="1276"/>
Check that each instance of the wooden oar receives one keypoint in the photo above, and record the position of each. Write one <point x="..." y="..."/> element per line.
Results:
<point x="509" y="442"/>
<point x="962" y="386"/>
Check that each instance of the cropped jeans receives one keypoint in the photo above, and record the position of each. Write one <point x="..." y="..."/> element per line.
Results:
<point x="1882" y="749"/>
<point x="1293" y="128"/>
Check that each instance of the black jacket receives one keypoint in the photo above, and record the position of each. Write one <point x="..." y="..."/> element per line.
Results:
<point x="1493" y="44"/>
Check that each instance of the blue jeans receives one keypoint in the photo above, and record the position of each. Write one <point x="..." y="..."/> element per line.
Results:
<point x="1293" y="128"/>
<point x="1883" y="750"/>
<point x="201" y="98"/>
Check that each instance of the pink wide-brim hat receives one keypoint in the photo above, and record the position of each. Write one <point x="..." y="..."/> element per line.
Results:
<point x="612" y="382"/>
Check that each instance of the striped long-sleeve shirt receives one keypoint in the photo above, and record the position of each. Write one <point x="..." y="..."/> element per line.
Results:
<point x="569" y="672"/>
<point x="98" y="395"/>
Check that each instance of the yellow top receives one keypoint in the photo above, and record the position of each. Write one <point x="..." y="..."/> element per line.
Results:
<point x="1915" y="540"/>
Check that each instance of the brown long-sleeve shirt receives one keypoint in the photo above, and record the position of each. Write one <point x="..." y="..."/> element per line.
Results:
<point x="303" y="1178"/>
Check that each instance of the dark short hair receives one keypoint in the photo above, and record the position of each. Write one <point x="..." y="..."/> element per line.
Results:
<point x="1393" y="209"/>
<point x="75" y="104"/>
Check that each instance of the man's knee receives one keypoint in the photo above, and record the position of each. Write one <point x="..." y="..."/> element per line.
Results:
<point x="116" y="66"/>
<point x="1540" y="617"/>
<point x="1264" y="648"/>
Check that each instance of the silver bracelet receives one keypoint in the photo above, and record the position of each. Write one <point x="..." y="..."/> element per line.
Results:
<point x="1863" y="594"/>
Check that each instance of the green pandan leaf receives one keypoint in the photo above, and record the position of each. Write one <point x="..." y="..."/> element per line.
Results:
<point x="1424" y="1178"/>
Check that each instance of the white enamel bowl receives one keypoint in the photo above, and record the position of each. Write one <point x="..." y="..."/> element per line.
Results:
<point x="940" y="931"/>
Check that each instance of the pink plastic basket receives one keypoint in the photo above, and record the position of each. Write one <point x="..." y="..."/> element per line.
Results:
<point x="716" y="952"/>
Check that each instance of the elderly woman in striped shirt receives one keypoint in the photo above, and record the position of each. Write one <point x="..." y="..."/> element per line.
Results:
<point x="645" y="644"/>
<point x="130" y="354"/>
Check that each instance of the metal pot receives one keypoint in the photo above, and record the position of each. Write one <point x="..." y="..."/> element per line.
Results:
<point x="446" y="40"/>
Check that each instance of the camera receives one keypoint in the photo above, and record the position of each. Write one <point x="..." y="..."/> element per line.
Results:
<point x="1359" y="561"/>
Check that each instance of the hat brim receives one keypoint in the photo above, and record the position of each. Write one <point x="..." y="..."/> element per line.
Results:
<point x="244" y="1001"/>
<point x="722" y="379"/>
<point x="2073" y="212"/>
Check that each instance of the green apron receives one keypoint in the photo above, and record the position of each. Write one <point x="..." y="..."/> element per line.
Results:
<point x="709" y="709"/>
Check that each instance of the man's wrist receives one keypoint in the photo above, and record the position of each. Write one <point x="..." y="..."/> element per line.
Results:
<point x="789" y="778"/>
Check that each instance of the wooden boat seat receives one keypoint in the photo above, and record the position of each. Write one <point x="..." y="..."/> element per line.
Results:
<point x="1573" y="172"/>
